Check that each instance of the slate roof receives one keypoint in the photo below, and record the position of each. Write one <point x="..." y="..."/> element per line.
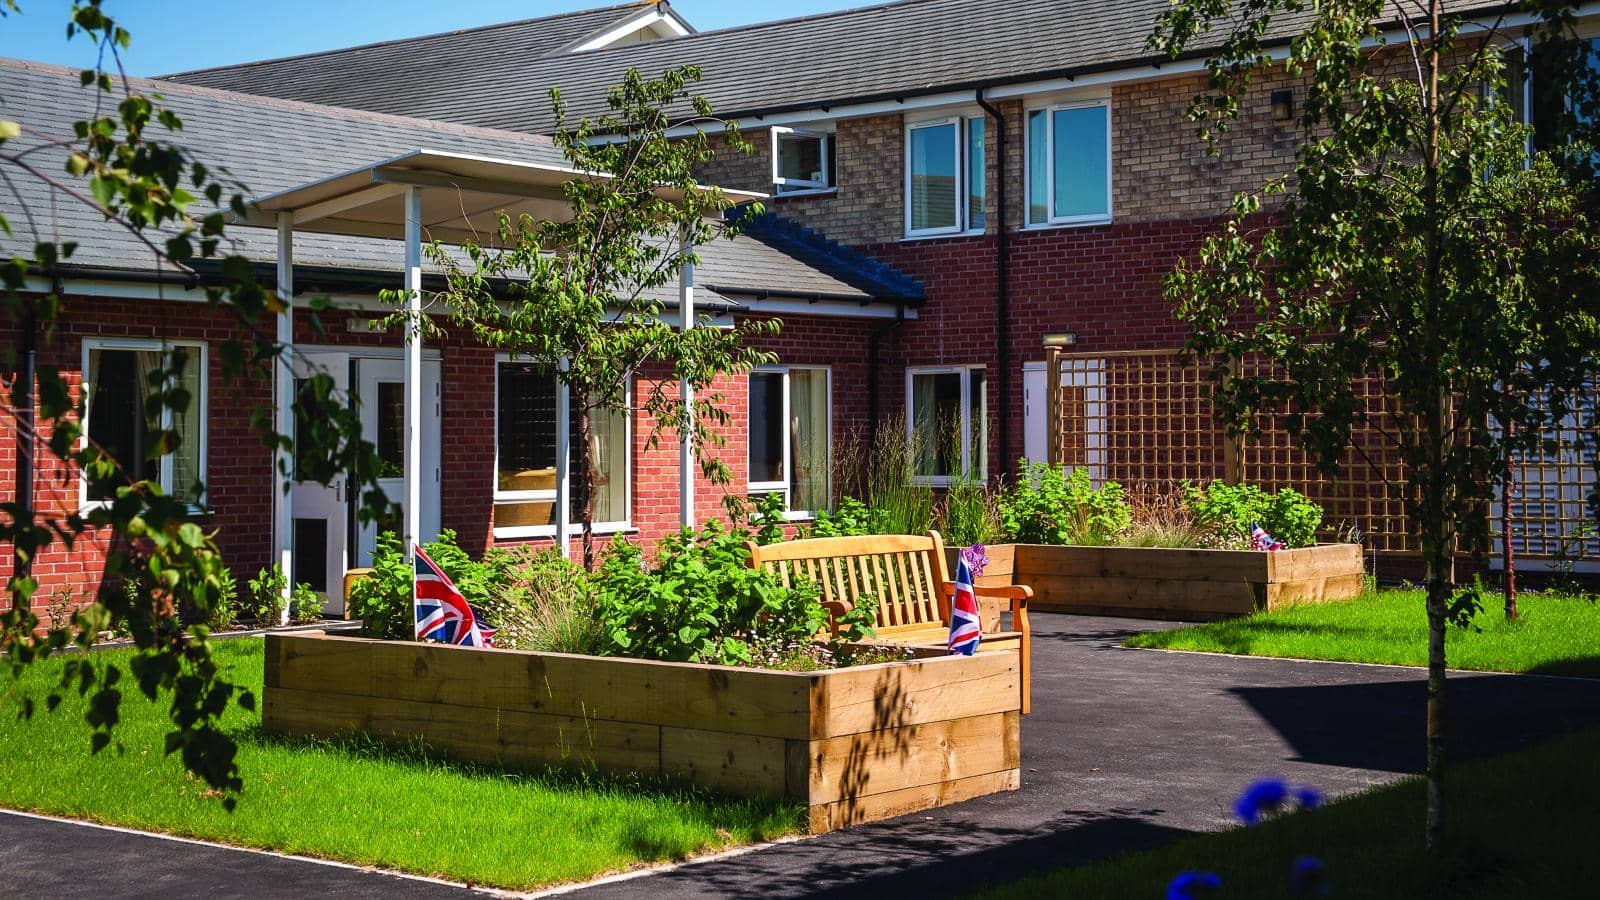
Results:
<point x="270" y="144"/>
<point x="895" y="50"/>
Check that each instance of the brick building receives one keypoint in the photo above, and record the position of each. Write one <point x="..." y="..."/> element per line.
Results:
<point x="1023" y="172"/>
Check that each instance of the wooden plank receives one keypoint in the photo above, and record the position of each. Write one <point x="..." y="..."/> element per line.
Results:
<point x="471" y="733"/>
<point x="713" y="698"/>
<point x="1034" y="561"/>
<point x="895" y="695"/>
<point x="845" y="547"/>
<point x="1306" y="563"/>
<point x="878" y="762"/>
<point x="844" y="813"/>
<point x="322" y="662"/>
<point x="736" y="763"/>
<point x="1070" y="594"/>
<point x="1315" y="590"/>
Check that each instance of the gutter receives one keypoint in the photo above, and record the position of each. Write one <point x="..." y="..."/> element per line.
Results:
<point x="1002" y="282"/>
<point x="809" y="296"/>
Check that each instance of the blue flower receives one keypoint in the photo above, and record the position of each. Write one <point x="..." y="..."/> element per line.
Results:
<point x="1309" y="877"/>
<point x="1261" y="797"/>
<point x="1189" y="885"/>
<point x="1307" y="797"/>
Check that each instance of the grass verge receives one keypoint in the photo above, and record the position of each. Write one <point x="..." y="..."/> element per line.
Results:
<point x="360" y="802"/>
<point x="1554" y="635"/>
<point x="1521" y="826"/>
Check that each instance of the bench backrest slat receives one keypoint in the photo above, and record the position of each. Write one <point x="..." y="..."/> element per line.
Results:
<point x="899" y="574"/>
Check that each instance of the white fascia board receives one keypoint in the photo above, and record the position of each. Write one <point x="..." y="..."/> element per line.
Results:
<point x="1125" y="75"/>
<point x="666" y="24"/>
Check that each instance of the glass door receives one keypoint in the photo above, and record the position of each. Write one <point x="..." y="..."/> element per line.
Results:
<point x="380" y="383"/>
<point x="320" y="540"/>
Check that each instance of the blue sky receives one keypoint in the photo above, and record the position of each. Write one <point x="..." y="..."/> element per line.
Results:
<point x="175" y="35"/>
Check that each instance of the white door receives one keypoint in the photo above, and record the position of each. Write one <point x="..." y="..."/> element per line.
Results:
<point x="380" y="385"/>
<point x="1035" y="406"/>
<point x="321" y="536"/>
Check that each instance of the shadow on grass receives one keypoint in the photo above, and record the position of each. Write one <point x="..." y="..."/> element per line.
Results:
<point x="768" y="816"/>
<point x="1380" y="725"/>
<point x="1581" y="667"/>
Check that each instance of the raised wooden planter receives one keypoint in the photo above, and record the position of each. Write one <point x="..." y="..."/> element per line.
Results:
<point x="1187" y="585"/>
<point x="853" y="745"/>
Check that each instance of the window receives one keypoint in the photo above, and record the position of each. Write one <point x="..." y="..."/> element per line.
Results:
<point x="946" y="183"/>
<point x="117" y="376"/>
<point x="947" y="425"/>
<point x="791" y="436"/>
<point x="527" y="441"/>
<point x="802" y="160"/>
<point x="1069" y="164"/>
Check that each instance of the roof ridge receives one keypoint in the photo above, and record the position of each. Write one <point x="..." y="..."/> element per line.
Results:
<point x="178" y="87"/>
<point x="616" y="7"/>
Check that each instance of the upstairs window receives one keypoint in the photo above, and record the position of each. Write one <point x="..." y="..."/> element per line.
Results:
<point x="945" y="176"/>
<point x="802" y="160"/>
<point x="117" y="377"/>
<point x="1069" y="164"/>
<point x="791" y="436"/>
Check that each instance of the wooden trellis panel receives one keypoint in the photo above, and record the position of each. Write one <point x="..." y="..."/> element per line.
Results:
<point x="1549" y="500"/>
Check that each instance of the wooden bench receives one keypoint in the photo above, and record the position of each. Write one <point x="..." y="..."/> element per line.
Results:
<point x="907" y="577"/>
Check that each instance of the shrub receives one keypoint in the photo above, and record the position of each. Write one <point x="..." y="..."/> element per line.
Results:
<point x="546" y="603"/>
<point x="851" y="519"/>
<point x="1160" y="519"/>
<point x="266" y="595"/>
<point x="1049" y="506"/>
<point x="382" y="600"/>
<point x="1227" y="512"/>
<point x="225" y="609"/>
<point x="701" y="602"/>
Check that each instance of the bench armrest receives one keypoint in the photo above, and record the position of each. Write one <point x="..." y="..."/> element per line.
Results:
<point x="1013" y="592"/>
<point x="838" y="608"/>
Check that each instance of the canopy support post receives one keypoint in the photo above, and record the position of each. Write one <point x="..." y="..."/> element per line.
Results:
<point x="412" y="503"/>
<point x="283" y="388"/>
<point x="686" y="509"/>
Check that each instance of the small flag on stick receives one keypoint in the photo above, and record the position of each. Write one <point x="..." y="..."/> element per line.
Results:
<point x="966" y="628"/>
<point x="442" y="613"/>
<point x="1260" y="540"/>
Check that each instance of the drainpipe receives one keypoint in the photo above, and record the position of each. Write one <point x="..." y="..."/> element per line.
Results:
<point x="1002" y="283"/>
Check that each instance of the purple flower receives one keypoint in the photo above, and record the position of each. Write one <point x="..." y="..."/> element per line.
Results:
<point x="1307" y="797"/>
<point x="1309" y="877"/>
<point x="1189" y="885"/>
<point x="976" y="558"/>
<point x="1263" y="796"/>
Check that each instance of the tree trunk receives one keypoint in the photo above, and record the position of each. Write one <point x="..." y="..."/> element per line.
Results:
<point x="586" y="483"/>
<point x="23" y="402"/>
<point x="1507" y="551"/>
<point x="1439" y="551"/>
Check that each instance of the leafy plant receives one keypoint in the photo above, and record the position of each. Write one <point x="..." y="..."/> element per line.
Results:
<point x="266" y="595"/>
<point x="1048" y="505"/>
<point x="382" y="600"/>
<point x="769" y="518"/>
<point x="226" y="609"/>
<point x="304" y="604"/>
<point x="1229" y="511"/>
<point x="852" y="519"/>
<point x="701" y="602"/>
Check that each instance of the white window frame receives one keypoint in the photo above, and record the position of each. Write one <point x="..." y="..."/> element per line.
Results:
<point x="965" y="371"/>
<point x="148" y="345"/>
<point x="563" y="491"/>
<point x="790" y="187"/>
<point x="960" y="166"/>
<point x="1052" y="220"/>
<point x="782" y="487"/>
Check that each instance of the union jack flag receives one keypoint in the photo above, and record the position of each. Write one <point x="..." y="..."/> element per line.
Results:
<point x="1260" y="540"/>
<point x="966" y="628"/>
<point x="442" y="613"/>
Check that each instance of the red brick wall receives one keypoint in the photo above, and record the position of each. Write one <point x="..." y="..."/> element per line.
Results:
<point x="239" y="466"/>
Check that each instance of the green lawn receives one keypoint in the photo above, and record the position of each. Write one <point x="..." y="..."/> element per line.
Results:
<point x="1522" y="828"/>
<point x="1554" y="635"/>
<point x="363" y="804"/>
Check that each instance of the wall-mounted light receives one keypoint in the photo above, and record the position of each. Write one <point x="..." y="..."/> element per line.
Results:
<point x="1061" y="339"/>
<point x="1282" y="106"/>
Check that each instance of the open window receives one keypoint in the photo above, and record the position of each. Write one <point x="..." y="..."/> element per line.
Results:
<point x="529" y="434"/>
<point x="947" y="423"/>
<point x="791" y="437"/>
<point x="802" y="160"/>
<point x="117" y="378"/>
